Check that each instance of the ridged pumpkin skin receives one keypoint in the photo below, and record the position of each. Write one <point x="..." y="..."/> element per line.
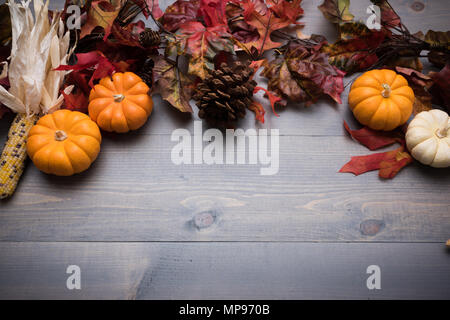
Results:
<point x="428" y="138"/>
<point x="64" y="143"/>
<point x="381" y="99"/>
<point x="120" y="103"/>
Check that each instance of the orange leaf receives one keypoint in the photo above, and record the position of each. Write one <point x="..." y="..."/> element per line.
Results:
<point x="388" y="163"/>
<point x="101" y="14"/>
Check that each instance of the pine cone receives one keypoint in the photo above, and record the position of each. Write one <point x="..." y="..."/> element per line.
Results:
<point x="149" y="38"/>
<point x="224" y="94"/>
<point x="145" y="71"/>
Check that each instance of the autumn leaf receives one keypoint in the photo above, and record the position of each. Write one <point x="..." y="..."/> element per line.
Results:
<point x="101" y="14"/>
<point x="441" y="86"/>
<point x="172" y="84"/>
<point x="273" y="99"/>
<point x="179" y="13"/>
<point x="336" y="11"/>
<point x="128" y="35"/>
<point x="303" y="74"/>
<point x="420" y="84"/>
<point x="354" y="54"/>
<point x="278" y="16"/>
<point x="202" y="44"/>
<point x="259" y="111"/>
<point x="96" y="60"/>
<point x="389" y="18"/>
<point x="76" y="101"/>
<point x="388" y="163"/>
<point x="213" y="12"/>
<point x="373" y="139"/>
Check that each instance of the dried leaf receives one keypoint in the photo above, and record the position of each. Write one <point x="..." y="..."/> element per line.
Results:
<point x="441" y="87"/>
<point x="420" y="84"/>
<point x="76" y="101"/>
<point x="373" y="139"/>
<point x="388" y="163"/>
<point x="273" y="99"/>
<point x="179" y="13"/>
<point x="354" y="54"/>
<point x="96" y="60"/>
<point x="336" y="11"/>
<point x="389" y="19"/>
<point x="101" y="13"/>
<point x="202" y="44"/>
<point x="259" y="111"/>
<point x="213" y="12"/>
<point x="303" y="74"/>
<point x="278" y="16"/>
<point x="172" y="84"/>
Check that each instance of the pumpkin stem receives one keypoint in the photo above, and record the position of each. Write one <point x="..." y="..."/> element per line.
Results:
<point x="441" y="133"/>
<point x="118" y="97"/>
<point x="387" y="90"/>
<point x="60" y="135"/>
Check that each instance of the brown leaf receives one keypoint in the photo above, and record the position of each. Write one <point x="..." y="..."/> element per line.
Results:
<point x="179" y="13"/>
<point x="336" y="11"/>
<point x="441" y="87"/>
<point x="172" y="84"/>
<point x="356" y="50"/>
<point x="303" y="74"/>
<point x="101" y="14"/>
<point x="420" y="84"/>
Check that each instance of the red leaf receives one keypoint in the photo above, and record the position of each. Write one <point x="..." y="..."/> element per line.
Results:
<point x="156" y="10"/>
<point x="272" y="98"/>
<point x="94" y="59"/>
<point x="213" y="12"/>
<point x="179" y="13"/>
<point x="389" y="163"/>
<point x="259" y="111"/>
<point x="256" y="64"/>
<point x="76" y="101"/>
<point x="373" y="139"/>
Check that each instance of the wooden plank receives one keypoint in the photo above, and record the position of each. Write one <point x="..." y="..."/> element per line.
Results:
<point x="223" y="270"/>
<point x="135" y="193"/>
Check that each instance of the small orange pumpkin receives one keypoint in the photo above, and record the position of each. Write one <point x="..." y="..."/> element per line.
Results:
<point x="381" y="99"/>
<point x="64" y="142"/>
<point x="120" y="103"/>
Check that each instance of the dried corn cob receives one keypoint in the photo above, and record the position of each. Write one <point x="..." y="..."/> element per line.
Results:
<point x="12" y="160"/>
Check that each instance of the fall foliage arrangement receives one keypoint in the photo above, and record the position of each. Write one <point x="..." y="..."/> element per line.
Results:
<point x="75" y="82"/>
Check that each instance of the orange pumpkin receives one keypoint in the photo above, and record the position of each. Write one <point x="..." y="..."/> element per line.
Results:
<point x="64" y="142"/>
<point x="120" y="103"/>
<point x="381" y="99"/>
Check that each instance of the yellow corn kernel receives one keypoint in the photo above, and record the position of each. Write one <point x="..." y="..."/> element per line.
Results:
<point x="12" y="159"/>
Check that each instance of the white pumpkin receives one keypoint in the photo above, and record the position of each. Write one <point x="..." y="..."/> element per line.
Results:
<point x="428" y="138"/>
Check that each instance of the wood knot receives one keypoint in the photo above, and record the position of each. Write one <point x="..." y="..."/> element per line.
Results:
<point x="204" y="219"/>
<point x="417" y="6"/>
<point x="371" y="227"/>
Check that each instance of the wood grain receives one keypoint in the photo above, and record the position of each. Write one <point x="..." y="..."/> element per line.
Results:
<point x="130" y="222"/>
<point x="135" y="193"/>
<point x="223" y="270"/>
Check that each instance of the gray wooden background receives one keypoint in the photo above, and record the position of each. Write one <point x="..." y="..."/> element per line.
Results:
<point x="141" y="227"/>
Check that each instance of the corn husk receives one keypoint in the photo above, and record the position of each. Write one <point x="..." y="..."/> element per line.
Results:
<point x="38" y="46"/>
